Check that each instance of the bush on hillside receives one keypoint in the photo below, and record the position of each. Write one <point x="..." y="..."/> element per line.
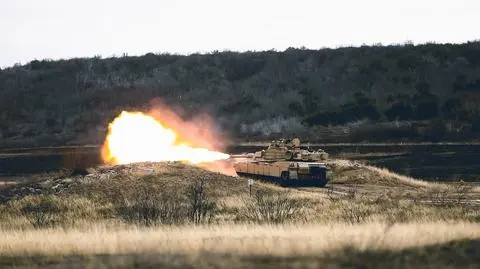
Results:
<point x="270" y="207"/>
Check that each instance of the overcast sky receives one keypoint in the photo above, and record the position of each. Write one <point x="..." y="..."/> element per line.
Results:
<point x="34" y="29"/>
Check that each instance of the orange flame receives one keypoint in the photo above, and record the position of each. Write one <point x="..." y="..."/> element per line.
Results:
<point x="155" y="137"/>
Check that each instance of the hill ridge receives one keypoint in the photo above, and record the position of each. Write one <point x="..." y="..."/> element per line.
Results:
<point x="422" y="92"/>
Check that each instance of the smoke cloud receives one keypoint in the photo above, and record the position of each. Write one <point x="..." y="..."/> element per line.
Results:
<point x="199" y="131"/>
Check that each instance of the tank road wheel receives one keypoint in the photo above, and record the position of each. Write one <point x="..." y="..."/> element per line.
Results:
<point x="284" y="177"/>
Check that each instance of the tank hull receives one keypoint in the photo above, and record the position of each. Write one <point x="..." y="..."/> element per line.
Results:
<point x="287" y="174"/>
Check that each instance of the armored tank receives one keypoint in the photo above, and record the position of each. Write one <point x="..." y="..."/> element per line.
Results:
<point x="286" y="163"/>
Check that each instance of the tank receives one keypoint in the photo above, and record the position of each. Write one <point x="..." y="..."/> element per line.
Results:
<point x="286" y="163"/>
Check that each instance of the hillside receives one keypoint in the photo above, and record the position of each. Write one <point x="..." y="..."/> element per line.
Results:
<point x="423" y="92"/>
<point x="173" y="215"/>
<point x="108" y="192"/>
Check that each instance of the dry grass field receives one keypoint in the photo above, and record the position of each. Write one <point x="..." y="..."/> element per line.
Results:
<point x="174" y="215"/>
<point x="337" y="245"/>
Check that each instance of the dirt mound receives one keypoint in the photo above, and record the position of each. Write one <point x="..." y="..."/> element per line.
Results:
<point x="110" y="182"/>
<point x="346" y="171"/>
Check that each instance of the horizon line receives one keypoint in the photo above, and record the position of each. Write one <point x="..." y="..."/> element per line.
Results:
<point x="405" y="43"/>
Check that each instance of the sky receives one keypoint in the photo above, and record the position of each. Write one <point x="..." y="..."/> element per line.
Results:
<point x="55" y="29"/>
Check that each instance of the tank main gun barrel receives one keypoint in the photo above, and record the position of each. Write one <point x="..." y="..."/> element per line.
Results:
<point x="236" y="156"/>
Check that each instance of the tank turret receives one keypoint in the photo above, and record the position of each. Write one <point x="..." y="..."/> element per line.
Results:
<point x="289" y="150"/>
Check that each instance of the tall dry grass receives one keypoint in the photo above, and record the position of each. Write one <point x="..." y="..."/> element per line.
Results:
<point x="476" y="189"/>
<point x="283" y="240"/>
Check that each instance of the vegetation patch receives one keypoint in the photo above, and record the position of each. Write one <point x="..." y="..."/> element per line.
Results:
<point x="183" y="216"/>
<point x="425" y="92"/>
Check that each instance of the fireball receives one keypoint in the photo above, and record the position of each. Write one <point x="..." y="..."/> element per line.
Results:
<point x="137" y="137"/>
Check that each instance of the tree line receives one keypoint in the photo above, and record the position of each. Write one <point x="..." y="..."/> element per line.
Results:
<point x="249" y="94"/>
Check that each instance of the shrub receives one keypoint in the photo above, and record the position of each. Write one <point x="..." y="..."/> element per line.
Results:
<point x="267" y="207"/>
<point x="48" y="211"/>
<point x="150" y="210"/>
<point x="149" y="207"/>
<point x="355" y="213"/>
<point x="201" y="207"/>
<point x="42" y="212"/>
